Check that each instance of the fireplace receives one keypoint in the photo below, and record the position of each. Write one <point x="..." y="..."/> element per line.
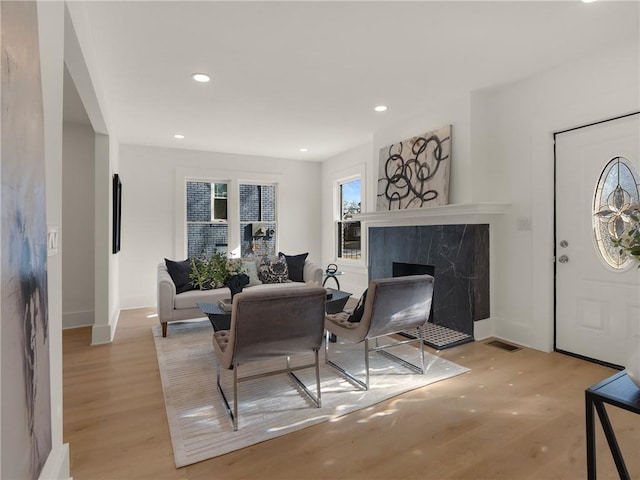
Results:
<point x="457" y="256"/>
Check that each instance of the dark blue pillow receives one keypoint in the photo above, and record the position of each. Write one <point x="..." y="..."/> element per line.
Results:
<point x="179" y="272"/>
<point x="295" y="264"/>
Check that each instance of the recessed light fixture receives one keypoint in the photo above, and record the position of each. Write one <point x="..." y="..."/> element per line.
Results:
<point x="179" y="136"/>
<point x="588" y="1"/>
<point x="380" y="108"/>
<point x="303" y="149"/>
<point x="201" y="77"/>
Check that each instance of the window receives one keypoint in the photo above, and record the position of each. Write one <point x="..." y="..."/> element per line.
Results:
<point x="614" y="202"/>
<point x="349" y="234"/>
<point x="207" y="229"/>
<point x="257" y="220"/>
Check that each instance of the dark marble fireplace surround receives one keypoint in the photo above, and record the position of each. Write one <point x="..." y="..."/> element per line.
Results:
<point x="460" y="255"/>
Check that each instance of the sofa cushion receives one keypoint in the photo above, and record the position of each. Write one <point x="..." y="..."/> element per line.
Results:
<point x="295" y="265"/>
<point x="191" y="298"/>
<point x="273" y="270"/>
<point x="179" y="272"/>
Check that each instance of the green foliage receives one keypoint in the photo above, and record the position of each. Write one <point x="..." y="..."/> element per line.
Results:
<point x="213" y="272"/>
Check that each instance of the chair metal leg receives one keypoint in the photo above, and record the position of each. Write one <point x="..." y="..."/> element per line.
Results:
<point x="315" y="399"/>
<point x="346" y="373"/>
<point x="366" y="360"/>
<point x="235" y="398"/>
<point x="233" y="413"/>
<point x="233" y="416"/>
<point x="327" y="337"/>
<point x="381" y="349"/>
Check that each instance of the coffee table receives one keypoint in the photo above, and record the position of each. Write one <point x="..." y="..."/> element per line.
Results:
<point x="337" y="300"/>
<point x="221" y="319"/>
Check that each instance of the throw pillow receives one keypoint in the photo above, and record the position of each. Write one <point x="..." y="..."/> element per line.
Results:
<point x="252" y="270"/>
<point x="295" y="264"/>
<point x="356" y="316"/>
<point x="179" y="273"/>
<point x="273" y="270"/>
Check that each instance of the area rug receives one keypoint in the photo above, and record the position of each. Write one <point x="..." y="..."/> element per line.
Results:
<point x="271" y="406"/>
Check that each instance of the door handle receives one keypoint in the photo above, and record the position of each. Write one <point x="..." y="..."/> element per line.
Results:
<point x="563" y="259"/>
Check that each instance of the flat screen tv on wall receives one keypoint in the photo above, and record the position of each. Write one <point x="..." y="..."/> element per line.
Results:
<point x="117" y="212"/>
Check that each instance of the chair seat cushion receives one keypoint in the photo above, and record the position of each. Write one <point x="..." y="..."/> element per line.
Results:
<point x="342" y="320"/>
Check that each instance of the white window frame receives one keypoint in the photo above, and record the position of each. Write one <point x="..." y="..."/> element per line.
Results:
<point x="233" y="178"/>
<point x="358" y="175"/>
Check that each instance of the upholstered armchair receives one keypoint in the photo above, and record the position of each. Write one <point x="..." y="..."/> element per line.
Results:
<point x="392" y="305"/>
<point x="268" y="324"/>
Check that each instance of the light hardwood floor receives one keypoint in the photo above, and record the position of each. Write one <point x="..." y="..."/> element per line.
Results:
<point x="516" y="415"/>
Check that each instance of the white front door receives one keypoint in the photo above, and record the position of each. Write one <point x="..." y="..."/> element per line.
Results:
<point x="597" y="304"/>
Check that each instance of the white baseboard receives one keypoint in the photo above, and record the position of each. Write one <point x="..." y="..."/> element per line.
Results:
<point x="57" y="465"/>
<point x="128" y="303"/>
<point x="77" y="319"/>
<point x="483" y="329"/>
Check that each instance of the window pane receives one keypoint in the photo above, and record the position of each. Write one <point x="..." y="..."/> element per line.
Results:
<point x="205" y="239"/>
<point x="349" y="240"/>
<point x="350" y="199"/>
<point x="198" y="202"/>
<point x="203" y="206"/>
<point x="220" y="208"/>
<point x="221" y="190"/>
<point x="257" y="205"/>
<point x="616" y="198"/>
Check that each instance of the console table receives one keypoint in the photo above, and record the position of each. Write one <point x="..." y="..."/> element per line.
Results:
<point x="617" y="390"/>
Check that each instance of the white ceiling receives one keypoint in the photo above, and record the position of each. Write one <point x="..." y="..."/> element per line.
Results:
<point x="287" y="75"/>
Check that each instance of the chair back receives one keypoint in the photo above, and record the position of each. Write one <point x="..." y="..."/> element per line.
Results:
<point x="276" y="322"/>
<point x="397" y="304"/>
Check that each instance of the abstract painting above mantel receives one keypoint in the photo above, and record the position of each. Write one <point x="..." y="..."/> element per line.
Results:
<point x="414" y="173"/>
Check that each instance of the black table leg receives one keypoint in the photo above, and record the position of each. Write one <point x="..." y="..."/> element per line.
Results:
<point x="591" y="438"/>
<point x="611" y="440"/>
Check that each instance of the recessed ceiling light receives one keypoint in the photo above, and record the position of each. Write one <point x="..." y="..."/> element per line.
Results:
<point x="380" y="108"/>
<point x="201" y="77"/>
<point x="303" y="149"/>
<point x="588" y="1"/>
<point x="179" y="136"/>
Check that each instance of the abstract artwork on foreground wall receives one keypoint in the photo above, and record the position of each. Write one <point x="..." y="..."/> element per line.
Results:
<point x="414" y="173"/>
<point x="26" y="399"/>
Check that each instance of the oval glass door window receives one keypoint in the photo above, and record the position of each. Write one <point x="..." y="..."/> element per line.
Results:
<point x="616" y="199"/>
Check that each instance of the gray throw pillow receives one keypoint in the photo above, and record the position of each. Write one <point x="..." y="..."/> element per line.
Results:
<point x="273" y="270"/>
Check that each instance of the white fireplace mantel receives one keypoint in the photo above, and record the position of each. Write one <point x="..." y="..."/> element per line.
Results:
<point x="442" y="215"/>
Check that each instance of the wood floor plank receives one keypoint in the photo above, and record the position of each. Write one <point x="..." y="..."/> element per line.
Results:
<point x="515" y="415"/>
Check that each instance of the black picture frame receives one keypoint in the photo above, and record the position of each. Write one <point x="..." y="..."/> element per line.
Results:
<point x="117" y="212"/>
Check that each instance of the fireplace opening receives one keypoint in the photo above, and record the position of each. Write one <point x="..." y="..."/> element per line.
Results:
<point x="436" y="336"/>
<point x="400" y="269"/>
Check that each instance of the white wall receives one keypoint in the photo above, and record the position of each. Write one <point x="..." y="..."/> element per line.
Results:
<point x="503" y="152"/>
<point x="51" y="32"/>
<point x="524" y="117"/>
<point x="77" y="225"/>
<point x="356" y="161"/>
<point x="453" y="111"/>
<point x="80" y="59"/>
<point x="151" y="215"/>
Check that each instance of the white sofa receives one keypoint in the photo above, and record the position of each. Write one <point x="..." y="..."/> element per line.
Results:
<point x="174" y="307"/>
